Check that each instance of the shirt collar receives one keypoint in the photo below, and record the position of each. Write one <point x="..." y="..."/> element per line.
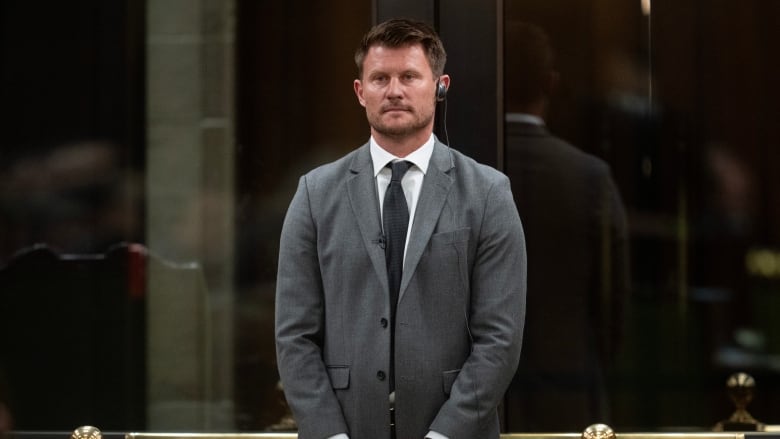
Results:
<point x="524" y="118"/>
<point x="421" y="157"/>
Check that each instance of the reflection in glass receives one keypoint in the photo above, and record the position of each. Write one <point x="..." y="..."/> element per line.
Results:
<point x="675" y="98"/>
<point x="575" y="224"/>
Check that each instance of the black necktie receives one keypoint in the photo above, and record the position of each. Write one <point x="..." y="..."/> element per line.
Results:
<point x="395" y="217"/>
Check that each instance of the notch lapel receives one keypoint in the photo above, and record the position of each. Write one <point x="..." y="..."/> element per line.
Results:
<point x="433" y="194"/>
<point x="361" y="189"/>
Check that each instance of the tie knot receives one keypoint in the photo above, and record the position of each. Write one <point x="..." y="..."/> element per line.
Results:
<point x="399" y="168"/>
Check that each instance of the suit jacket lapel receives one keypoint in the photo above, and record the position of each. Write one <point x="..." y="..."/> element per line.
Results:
<point x="433" y="193"/>
<point x="361" y="188"/>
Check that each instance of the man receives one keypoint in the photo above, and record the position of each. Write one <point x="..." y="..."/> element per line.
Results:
<point x="577" y="253"/>
<point x="360" y="345"/>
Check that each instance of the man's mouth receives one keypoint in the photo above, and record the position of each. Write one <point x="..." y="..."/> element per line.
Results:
<point x="391" y="109"/>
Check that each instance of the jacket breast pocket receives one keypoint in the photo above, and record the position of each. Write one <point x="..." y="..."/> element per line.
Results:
<point x="454" y="237"/>
<point x="449" y="260"/>
<point x="339" y="377"/>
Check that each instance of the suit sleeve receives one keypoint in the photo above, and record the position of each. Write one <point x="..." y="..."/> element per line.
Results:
<point x="299" y="325"/>
<point x="496" y="320"/>
<point x="615" y="279"/>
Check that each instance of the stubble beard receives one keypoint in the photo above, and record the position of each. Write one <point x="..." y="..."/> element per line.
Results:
<point x="396" y="131"/>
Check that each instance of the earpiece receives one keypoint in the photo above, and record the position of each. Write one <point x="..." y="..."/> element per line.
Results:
<point x="441" y="91"/>
<point x="441" y="96"/>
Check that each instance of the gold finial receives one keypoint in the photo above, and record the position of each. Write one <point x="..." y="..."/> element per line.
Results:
<point x="86" y="432"/>
<point x="740" y="387"/>
<point x="598" y="431"/>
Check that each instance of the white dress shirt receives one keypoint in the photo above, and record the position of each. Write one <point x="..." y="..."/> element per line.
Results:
<point x="411" y="182"/>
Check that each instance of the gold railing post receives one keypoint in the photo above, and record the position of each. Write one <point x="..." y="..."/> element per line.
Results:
<point x="740" y="388"/>
<point x="598" y="431"/>
<point x="86" y="432"/>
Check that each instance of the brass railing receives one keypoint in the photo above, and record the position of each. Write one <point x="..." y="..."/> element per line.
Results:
<point x="597" y="431"/>
<point x="740" y="387"/>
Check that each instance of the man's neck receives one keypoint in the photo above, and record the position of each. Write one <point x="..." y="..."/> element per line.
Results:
<point x="402" y="146"/>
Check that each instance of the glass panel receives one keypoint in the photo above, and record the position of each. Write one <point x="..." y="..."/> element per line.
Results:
<point x="676" y="97"/>
<point x="71" y="192"/>
<point x="149" y="153"/>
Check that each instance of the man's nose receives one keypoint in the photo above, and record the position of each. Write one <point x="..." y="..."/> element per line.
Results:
<point x="394" y="88"/>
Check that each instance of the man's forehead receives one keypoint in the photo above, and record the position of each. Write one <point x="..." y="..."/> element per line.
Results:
<point x="402" y="45"/>
<point x="410" y="54"/>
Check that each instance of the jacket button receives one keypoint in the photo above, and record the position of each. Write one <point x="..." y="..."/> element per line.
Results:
<point x="380" y="375"/>
<point x="383" y="322"/>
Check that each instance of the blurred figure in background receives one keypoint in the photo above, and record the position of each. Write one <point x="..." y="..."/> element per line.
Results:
<point x="77" y="198"/>
<point x="577" y="253"/>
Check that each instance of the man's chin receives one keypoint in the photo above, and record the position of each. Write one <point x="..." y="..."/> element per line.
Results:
<point x="398" y="127"/>
<point x="395" y="131"/>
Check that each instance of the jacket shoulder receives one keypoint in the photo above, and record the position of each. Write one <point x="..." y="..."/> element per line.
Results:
<point x="475" y="172"/>
<point x="328" y="174"/>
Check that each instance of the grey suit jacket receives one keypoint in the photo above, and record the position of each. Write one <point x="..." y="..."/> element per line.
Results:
<point x="460" y="312"/>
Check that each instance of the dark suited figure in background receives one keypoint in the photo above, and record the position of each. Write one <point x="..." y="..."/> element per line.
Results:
<point x="577" y="253"/>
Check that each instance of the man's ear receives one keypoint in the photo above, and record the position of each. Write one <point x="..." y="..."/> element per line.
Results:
<point x="358" y="86"/>
<point x="445" y="79"/>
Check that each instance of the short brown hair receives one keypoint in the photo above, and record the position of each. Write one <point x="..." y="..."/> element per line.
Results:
<point x="402" y="32"/>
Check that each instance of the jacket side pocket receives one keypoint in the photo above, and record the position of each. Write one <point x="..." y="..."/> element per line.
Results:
<point x="339" y="376"/>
